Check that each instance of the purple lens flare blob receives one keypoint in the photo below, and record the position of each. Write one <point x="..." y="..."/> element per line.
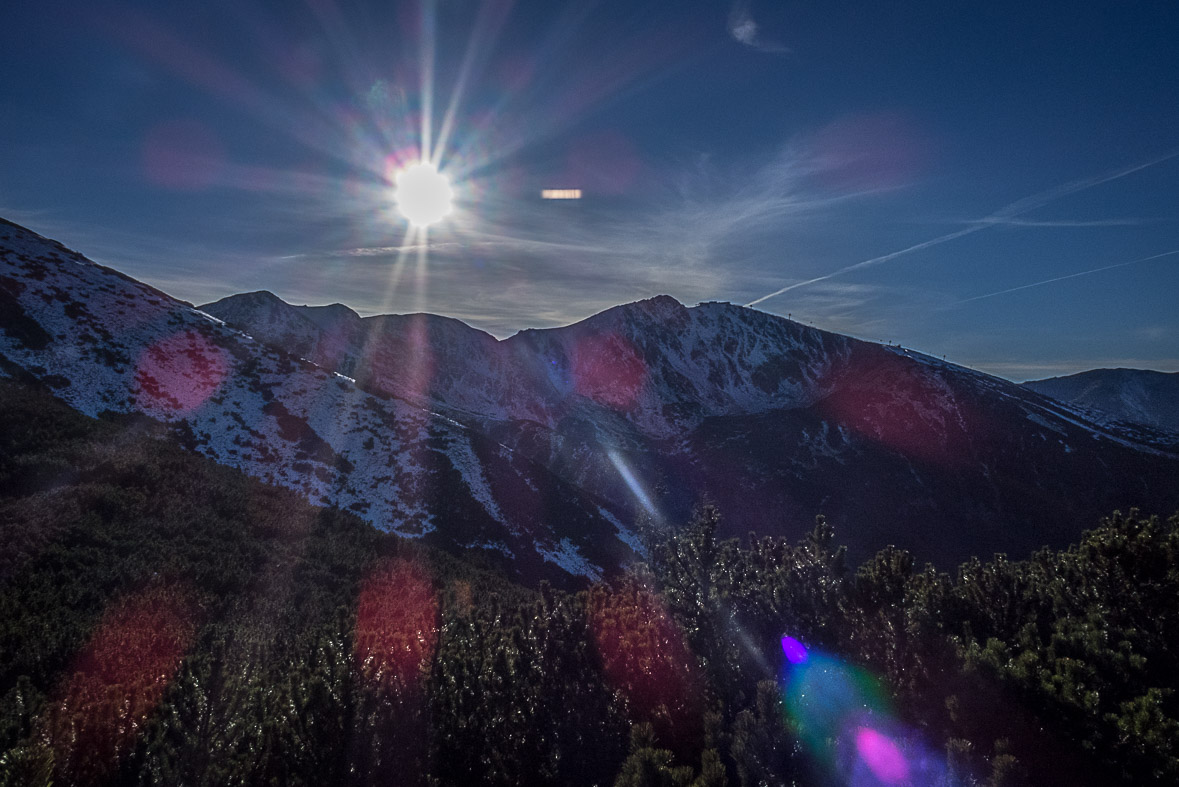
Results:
<point x="795" y="651"/>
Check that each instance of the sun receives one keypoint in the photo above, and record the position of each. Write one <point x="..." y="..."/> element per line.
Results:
<point x="423" y="194"/>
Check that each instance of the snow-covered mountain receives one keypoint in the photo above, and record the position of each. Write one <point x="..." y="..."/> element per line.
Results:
<point x="659" y="405"/>
<point x="542" y="449"/>
<point x="655" y="363"/>
<point x="105" y="342"/>
<point x="1138" y="396"/>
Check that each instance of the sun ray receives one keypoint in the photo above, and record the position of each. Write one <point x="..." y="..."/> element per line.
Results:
<point x="420" y="272"/>
<point x="429" y="32"/>
<point x="627" y="65"/>
<point x="407" y="243"/>
<point x="372" y="339"/>
<point x="483" y="33"/>
<point x="202" y="69"/>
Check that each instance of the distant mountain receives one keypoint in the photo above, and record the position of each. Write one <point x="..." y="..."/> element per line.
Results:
<point x="1139" y="396"/>
<point x="541" y="451"/>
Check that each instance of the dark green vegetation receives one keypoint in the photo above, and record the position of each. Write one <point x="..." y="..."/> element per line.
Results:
<point x="165" y="620"/>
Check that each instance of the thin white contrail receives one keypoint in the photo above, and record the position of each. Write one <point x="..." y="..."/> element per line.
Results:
<point x="873" y="261"/>
<point x="1069" y="276"/>
<point x="1000" y="216"/>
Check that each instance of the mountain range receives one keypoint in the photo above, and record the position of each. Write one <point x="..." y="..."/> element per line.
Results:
<point x="549" y="452"/>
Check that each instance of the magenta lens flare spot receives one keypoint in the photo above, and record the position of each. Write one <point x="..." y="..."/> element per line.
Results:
<point x="882" y="756"/>
<point x="795" y="651"/>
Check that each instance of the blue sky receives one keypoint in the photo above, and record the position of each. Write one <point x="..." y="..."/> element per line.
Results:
<point x="900" y="172"/>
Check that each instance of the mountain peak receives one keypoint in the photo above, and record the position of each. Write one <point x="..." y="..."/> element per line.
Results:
<point x="256" y="295"/>
<point x="255" y="299"/>
<point x="661" y="302"/>
<point x="328" y="316"/>
<point x="659" y="309"/>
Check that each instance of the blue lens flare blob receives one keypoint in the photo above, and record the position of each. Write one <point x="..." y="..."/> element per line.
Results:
<point x="795" y="651"/>
<point x="842" y="716"/>
<point x="823" y="694"/>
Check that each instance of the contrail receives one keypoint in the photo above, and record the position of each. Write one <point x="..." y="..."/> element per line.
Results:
<point x="1129" y="222"/>
<point x="1000" y="216"/>
<point x="873" y="261"/>
<point x="1069" y="276"/>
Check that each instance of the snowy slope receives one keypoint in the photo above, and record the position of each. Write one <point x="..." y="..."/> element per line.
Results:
<point x="656" y="405"/>
<point x="655" y="363"/>
<point x="539" y="450"/>
<point x="105" y="342"/>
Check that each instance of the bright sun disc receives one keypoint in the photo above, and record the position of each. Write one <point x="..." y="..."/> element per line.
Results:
<point x="423" y="194"/>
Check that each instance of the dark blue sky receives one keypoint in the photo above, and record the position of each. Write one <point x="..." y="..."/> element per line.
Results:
<point x="726" y="151"/>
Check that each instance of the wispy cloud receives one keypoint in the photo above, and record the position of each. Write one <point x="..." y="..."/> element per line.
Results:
<point x="1004" y="214"/>
<point x="483" y="244"/>
<point x="511" y="262"/>
<point x="500" y="289"/>
<point x="745" y="30"/>
<point x="694" y="236"/>
<point x="713" y="208"/>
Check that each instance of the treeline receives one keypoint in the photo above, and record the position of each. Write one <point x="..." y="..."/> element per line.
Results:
<point x="165" y="620"/>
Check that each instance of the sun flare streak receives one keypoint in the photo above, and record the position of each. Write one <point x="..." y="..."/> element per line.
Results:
<point x="632" y="483"/>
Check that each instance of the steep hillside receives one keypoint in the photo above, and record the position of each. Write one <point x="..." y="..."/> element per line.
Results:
<point x="541" y="451"/>
<point x="107" y="343"/>
<point x="657" y="405"/>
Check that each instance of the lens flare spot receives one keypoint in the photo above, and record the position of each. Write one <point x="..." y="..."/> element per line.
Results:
<point x="178" y="373"/>
<point x="645" y="658"/>
<point x="182" y="155"/>
<point x="609" y="370"/>
<point x="118" y="679"/>
<point x="396" y="624"/>
<point x="824" y="693"/>
<point x="605" y="163"/>
<point x="882" y="756"/>
<point x="423" y="194"/>
<point x="795" y="651"/>
<point x="887" y="398"/>
<point x="882" y="150"/>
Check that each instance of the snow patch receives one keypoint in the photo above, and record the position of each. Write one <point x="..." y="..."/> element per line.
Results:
<point x="462" y="456"/>
<point x="1044" y="422"/>
<point x="567" y="556"/>
<point x="625" y="534"/>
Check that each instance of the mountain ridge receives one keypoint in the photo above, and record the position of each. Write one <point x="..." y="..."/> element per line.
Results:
<point x="546" y="447"/>
<point x="105" y="342"/>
